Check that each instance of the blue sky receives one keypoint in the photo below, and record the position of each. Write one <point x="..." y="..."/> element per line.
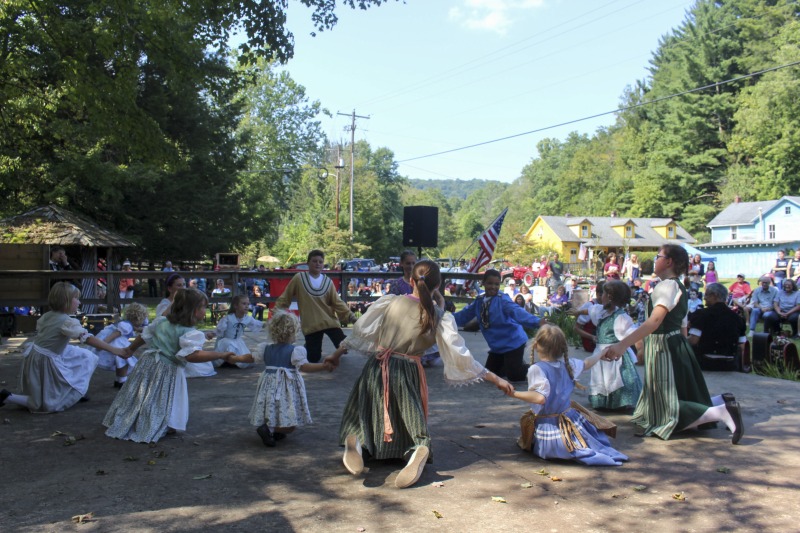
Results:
<point x="434" y="75"/>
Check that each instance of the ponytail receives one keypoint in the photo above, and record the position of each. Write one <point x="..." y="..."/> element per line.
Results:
<point x="426" y="278"/>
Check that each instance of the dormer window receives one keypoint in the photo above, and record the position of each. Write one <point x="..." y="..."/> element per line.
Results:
<point x="670" y="232"/>
<point x="584" y="231"/>
<point x="628" y="232"/>
<point x="787" y="210"/>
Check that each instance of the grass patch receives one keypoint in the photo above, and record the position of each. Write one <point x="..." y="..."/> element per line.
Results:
<point x="774" y="370"/>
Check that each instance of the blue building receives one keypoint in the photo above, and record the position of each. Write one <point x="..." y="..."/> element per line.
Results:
<point x="746" y="236"/>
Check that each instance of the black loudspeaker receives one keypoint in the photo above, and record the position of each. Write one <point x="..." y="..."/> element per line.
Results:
<point x="421" y="226"/>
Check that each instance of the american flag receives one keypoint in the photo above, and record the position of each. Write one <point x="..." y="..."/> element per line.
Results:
<point x="487" y="241"/>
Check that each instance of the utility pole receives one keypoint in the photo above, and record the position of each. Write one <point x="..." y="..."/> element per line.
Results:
<point x="352" y="160"/>
<point x="339" y="166"/>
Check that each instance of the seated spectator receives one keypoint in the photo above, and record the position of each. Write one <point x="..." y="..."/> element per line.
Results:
<point x="781" y="268"/>
<point x="761" y="301"/>
<point x="558" y="301"/>
<point x="695" y="302"/>
<point x="716" y="330"/>
<point x="786" y="308"/>
<point x="511" y="288"/>
<point x="651" y="283"/>
<point x="740" y="290"/>
<point x="572" y="285"/>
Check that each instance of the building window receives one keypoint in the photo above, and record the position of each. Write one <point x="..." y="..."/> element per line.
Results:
<point x="584" y="231"/>
<point x="671" y="232"/>
<point x="787" y="210"/>
<point x="573" y="255"/>
<point x="734" y="234"/>
<point x="771" y="231"/>
<point x="628" y="232"/>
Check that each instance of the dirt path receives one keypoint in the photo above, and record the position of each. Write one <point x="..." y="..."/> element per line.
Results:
<point x="219" y="475"/>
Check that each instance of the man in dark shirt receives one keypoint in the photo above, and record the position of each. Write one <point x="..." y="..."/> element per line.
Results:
<point x="716" y="333"/>
<point x="557" y="268"/>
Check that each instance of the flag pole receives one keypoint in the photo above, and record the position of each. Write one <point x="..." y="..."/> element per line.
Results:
<point x="481" y="234"/>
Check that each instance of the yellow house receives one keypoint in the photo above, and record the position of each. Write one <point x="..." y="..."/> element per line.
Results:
<point x="565" y="235"/>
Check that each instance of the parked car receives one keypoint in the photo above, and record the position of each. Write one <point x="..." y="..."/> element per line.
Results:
<point x="358" y="265"/>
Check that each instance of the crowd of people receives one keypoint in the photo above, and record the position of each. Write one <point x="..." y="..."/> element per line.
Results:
<point x="386" y="415"/>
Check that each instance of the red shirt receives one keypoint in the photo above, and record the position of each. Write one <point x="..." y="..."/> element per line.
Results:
<point x="739" y="289"/>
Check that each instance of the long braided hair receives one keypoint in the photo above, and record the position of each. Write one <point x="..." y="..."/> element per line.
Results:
<point x="552" y="341"/>
<point x="427" y="278"/>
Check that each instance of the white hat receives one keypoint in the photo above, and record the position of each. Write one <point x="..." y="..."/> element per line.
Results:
<point x="126" y="263"/>
<point x="512" y="282"/>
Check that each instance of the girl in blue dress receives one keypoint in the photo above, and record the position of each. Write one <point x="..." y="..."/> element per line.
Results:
<point x="552" y="429"/>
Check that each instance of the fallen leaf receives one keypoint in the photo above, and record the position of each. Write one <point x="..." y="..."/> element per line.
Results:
<point x="160" y="454"/>
<point x="131" y="458"/>
<point x="361" y="529"/>
<point x="151" y="462"/>
<point x="204" y="476"/>
<point x="618" y="496"/>
<point x="639" y="488"/>
<point x="82" y="518"/>
<point x="437" y="484"/>
<point x="527" y="485"/>
<point x="724" y="470"/>
<point x="480" y="425"/>
<point x="437" y="514"/>
<point x="555" y="478"/>
<point x="679" y="496"/>
<point x="499" y="499"/>
<point x="543" y="472"/>
<point x="59" y="434"/>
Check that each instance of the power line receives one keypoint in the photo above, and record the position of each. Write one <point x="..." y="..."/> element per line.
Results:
<point x="627" y="108"/>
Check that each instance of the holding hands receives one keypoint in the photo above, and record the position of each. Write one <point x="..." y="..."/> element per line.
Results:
<point x="613" y="352"/>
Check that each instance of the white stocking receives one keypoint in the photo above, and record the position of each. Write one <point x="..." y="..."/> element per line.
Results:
<point x="717" y="413"/>
<point x="717" y="400"/>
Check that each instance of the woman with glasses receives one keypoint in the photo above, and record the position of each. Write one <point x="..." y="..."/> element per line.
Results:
<point x="675" y="396"/>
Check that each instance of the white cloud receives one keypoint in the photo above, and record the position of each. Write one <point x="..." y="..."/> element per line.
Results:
<point x="490" y="15"/>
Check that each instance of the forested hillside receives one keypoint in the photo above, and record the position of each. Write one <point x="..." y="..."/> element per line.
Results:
<point x="451" y="188"/>
<point x="158" y="131"/>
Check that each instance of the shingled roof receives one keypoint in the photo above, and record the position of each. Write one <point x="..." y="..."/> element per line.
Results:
<point x="55" y="225"/>
<point x="603" y="233"/>
<point x="746" y="213"/>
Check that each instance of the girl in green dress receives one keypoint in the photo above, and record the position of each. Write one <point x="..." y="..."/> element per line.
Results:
<point x="675" y="396"/>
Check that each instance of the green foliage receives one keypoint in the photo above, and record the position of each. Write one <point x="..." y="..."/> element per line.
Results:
<point x="451" y="188"/>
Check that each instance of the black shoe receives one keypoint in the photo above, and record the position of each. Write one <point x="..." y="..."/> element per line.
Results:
<point x="84" y="399"/>
<point x="118" y="384"/>
<point x="736" y="414"/>
<point x="728" y="397"/>
<point x="266" y="436"/>
<point x="278" y="435"/>
<point x="3" y="395"/>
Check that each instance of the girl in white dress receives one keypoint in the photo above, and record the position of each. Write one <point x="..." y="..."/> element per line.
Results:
<point x="280" y="400"/>
<point x="155" y="400"/>
<point x="55" y="374"/>
<point x="119" y="335"/>
<point x="231" y="328"/>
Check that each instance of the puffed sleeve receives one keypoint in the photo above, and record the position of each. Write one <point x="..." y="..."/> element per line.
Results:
<point x="222" y="325"/>
<point x="366" y="330"/>
<point x="595" y="314"/>
<point x="190" y="342"/>
<point x="623" y="326"/>
<point x="299" y="356"/>
<point x="254" y="325"/>
<point x="125" y="328"/>
<point x="72" y="328"/>
<point x="537" y="381"/>
<point x="667" y="294"/>
<point x="460" y="368"/>
<point x="577" y="366"/>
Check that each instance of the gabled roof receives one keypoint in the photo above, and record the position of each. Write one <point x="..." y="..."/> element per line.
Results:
<point x="745" y="213"/>
<point x="55" y="225"/>
<point x="603" y="233"/>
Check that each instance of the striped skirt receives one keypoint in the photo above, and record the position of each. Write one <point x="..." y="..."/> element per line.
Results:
<point x="675" y="392"/>
<point x="364" y="413"/>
